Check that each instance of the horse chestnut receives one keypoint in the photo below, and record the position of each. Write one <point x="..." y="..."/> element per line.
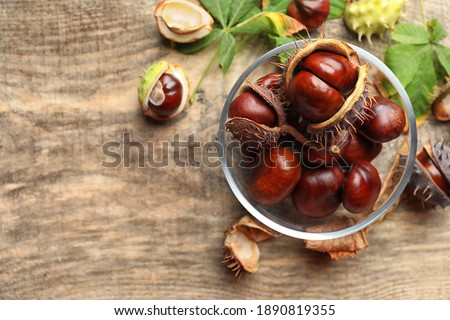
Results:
<point x="360" y="148"/>
<point x="361" y="188"/>
<point x="276" y="175"/>
<point x="313" y="98"/>
<point x="318" y="91"/>
<point x="312" y="13"/>
<point x="318" y="192"/>
<point x="163" y="91"/>
<point x="332" y="68"/>
<point x="440" y="180"/>
<point x="249" y="105"/>
<point x="171" y="89"/>
<point x="271" y="81"/>
<point x="387" y="122"/>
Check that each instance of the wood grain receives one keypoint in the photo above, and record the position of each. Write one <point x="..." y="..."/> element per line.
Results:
<point x="72" y="229"/>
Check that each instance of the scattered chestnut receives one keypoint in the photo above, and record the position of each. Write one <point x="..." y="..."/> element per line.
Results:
<point x="428" y="164"/>
<point x="312" y="13"/>
<point x="361" y="188"/>
<point x="249" y="105"/>
<point x="430" y="179"/>
<point x="318" y="192"/>
<point x="275" y="176"/>
<point x="166" y="96"/>
<point x="387" y="121"/>
<point x="360" y="148"/>
<point x="163" y="91"/>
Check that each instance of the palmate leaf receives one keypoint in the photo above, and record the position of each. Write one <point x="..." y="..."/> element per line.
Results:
<point x="404" y="60"/>
<point x="413" y="65"/>
<point x="277" y="5"/>
<point x="227" y="50"/>
<point x="219" y="9"/>
<point x="437" y="30"/>
<point x="443" y="56"/>
<point x="411" y="34"/>
<point x="200" y="44"/>
<point x="239" y="9"/>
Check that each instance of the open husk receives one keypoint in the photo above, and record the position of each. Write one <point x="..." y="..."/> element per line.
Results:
<point x="182" y="21"/>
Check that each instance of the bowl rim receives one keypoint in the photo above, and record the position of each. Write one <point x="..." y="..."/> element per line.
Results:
<point x="377" y="214"/>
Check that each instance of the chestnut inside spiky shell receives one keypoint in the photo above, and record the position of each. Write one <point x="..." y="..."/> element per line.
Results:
<point x="422" y="184"/>
<point x="354" y="105"/>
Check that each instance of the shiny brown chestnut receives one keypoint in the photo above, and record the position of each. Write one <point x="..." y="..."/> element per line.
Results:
<point x="386" y="123"/>
<point x="318" y="192"/>
<point x="312" y="13"/>
<point x="275" y="176"/>
<point x="333" y="69"/>
<point x="360" y="148"/>
<point x="271" y="81"/>
<point x="172" y="90"/>
<point x="313" y="98"/>
<point x="361" y="188"/>
<point x="251" y="106"/>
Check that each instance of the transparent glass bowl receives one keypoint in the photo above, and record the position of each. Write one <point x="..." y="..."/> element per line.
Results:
<point x="283" y="217"/>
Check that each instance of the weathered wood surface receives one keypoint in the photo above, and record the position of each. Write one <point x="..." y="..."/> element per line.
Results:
<point x="71" y="228"/>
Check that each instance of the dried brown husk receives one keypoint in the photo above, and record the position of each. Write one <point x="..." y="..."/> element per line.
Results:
<point x="247" y="130"/>
<point x="345" y="247"/>
<point x="439" y="152"/>
<point x="240" y="251"/>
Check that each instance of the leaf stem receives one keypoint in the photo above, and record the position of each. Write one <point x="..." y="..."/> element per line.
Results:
<point x="194" y="92"/>
<point x="422" y="9"/>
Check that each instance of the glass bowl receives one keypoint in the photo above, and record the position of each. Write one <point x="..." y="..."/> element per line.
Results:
<point x="283" y="217"/>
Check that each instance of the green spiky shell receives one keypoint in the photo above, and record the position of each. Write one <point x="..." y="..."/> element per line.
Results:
<point x="369" y="17"/>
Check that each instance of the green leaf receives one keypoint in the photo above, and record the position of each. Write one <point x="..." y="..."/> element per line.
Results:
<point x="413" y="65"/>
<point x="410" y="34"/>
<point x="437" y="30"/>
<point x="443" y="56"/>
<point x="271" y="23"/>
<point x="219" y="9"/>
<point x="227" y="50"/>
<point x="199" y="44"/>
<point x="404" y="60"/>
<point x="337" y="8"/>
<point x="239" y="8"/>
<point x="253" y="12"/>
<point x="278" y="6"/>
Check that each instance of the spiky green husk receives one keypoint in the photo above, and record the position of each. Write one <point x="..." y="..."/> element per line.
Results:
<point x="369" y="17"/>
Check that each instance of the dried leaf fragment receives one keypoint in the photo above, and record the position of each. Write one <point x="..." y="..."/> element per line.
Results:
<point x="339" y="248"/>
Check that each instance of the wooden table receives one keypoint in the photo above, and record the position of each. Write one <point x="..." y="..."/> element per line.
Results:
<point x="71" y="228"/>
